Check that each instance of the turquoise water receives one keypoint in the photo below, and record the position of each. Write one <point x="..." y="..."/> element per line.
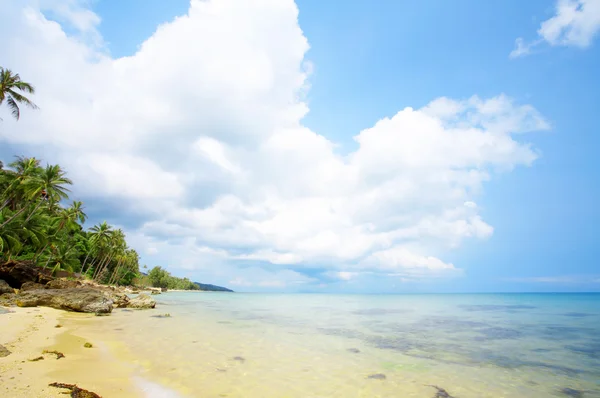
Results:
<point x="263" y="345"/>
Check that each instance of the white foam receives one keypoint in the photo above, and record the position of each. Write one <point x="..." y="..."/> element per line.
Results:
<point x="154" y="390"/>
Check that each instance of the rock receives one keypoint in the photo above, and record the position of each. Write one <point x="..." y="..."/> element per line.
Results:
<point x="78" y="300"/>
<point x="8" y="299"/>
<point x="5" y="287"/>
<point x="142" y="301"/>
<point x="571" y="392"/>
<point x="63" y="284"/>
<point x="239" y="359"/>
<point x="377" y="376"/>
<point x="15" y="273"/>
<point x="155" y="292"/>
<point x="163" y="289"/>
<point x="353" y="350"/>
<point x="441" y="393"/>
<point x="31" y="286"/>
<point x="4" y="351"/>
<point x="88" y="345"/>
<point x="120" y="300"/>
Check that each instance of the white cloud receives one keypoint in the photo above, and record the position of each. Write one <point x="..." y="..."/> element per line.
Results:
<point x="576" y="23"/>
<point x="200" y="131"/>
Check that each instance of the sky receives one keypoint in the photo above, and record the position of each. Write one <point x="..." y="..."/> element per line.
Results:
<point x="310" y="146"/>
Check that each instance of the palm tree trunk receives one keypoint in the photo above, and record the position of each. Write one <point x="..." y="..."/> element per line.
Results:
<point x="13" y="216"/>
<point x="101" y="268"/>
<point x="34" y="210"/>
<point x="110" y="281"/>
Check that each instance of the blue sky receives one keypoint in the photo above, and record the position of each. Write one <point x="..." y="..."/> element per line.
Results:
<point x="338" y="68"/>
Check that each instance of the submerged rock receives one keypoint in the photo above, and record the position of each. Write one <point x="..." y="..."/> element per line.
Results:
<point x="5" y="287"/>
<point x="353" y="350"/>
<point x="571" y="392"/>
<point x="4" y="352"/>
<point x="239" y="359"/>
<point x="78" y="300"/>
<point x="377" y="376"/>
<point x="441" y="393"/>
<point x="142" y="301"/>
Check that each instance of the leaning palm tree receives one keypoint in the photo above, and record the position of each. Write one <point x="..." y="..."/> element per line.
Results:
<point x="10" y="88"/>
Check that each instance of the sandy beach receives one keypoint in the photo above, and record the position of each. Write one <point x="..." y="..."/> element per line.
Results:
<point x="27" y="332"/>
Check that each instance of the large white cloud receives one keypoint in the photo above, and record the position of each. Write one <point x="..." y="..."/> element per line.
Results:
<point x="200" y="132"/>
<point x="576" y="23"/>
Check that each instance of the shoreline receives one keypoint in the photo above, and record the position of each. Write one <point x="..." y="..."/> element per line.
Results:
<point x="105" y="369"/>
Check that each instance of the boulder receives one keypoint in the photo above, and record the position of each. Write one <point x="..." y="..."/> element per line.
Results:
<point x="78" y="300"/>
<point x="155" y="292"/>
<point x="15" y="273"/>
<point x="5" y="287"/>
<point x="31" y="286"/>
<point x="63" y="284"/>
<point x="142" y="301"/>
<point x="120" y="300"/>
<point x="8" y="299"/>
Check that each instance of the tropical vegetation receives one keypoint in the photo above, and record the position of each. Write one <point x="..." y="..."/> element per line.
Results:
<point x="39" y="224"/>
<point x="12" y="90"/>
<point x="159" y="277"/>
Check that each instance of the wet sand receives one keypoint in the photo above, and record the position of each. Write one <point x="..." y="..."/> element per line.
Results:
<point x="27" y="332"/>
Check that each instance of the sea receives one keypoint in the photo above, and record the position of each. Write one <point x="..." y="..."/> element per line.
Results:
<point x="200" y="344"/>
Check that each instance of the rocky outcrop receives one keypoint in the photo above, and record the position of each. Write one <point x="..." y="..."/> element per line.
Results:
<point x="120" y="300"/>
<point x="8" y="299"/>
<point x="78" y="300"/>
<point x="5" y="287"/>
<point x="142" y="301"/>
<point x="15" y="273"/>
<point x="63" y="284"/>
<point x="31" y="286"/>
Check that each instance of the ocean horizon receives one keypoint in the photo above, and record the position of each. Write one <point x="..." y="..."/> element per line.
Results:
<point x="375" y="345"/>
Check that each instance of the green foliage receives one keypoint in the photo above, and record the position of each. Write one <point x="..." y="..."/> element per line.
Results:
<point x="159" y="277"/>
<point x="36" y="225"/>
<point x="11" y="91"/>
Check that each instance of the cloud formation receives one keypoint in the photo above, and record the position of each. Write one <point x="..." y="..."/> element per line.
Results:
<point x="200" y="135"/>
<point x="576" y="23"/>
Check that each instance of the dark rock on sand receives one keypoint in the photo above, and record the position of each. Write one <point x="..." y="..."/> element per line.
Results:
<point x="27" y="286"/>
<point x="239" y="359"/>
<point x="78" y="300"/>
<point x="377" y="376"/>
<point x="15" y="273"/>
<point x="5" y="287"/>
<point x="4" y="352"/>
<point x="353" y="350"/>
<point x="76" y="392"/>
<point x="570" y="392"/>
<point x="142" y="301"/>
<point x="441" y="393"/>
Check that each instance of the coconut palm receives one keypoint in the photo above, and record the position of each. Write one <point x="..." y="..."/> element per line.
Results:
<point x="11" y="87"/>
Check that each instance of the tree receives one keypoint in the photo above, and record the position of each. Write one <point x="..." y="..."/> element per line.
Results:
<point x="10" y="87"/>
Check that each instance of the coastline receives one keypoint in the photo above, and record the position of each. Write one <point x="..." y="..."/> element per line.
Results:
<point x="27" y="332"/>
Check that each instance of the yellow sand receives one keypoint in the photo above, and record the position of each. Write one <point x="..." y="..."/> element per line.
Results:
<point x="27" y="332"/>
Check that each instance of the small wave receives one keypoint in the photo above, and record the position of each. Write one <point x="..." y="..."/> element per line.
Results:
<point x="154" y="390"/>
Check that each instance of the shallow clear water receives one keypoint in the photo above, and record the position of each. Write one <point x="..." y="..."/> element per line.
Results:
<point x="483" y="345"/>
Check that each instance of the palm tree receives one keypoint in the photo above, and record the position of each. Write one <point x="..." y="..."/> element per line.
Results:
<point x="76" y="211"/>
<point x="10" y="84"/>
<point x="47" y="185"/>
